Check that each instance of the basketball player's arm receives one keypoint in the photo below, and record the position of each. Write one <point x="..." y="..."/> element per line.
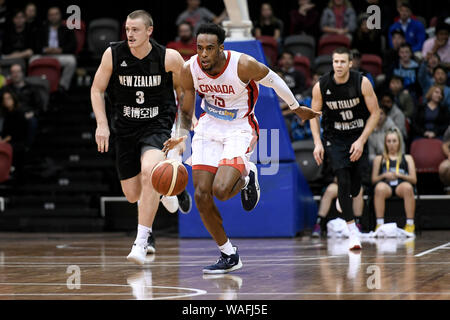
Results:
<point x="186" y="111"/>
<point x="316" y="105"/>
<point x="250" y="69"/>
<point x="98" y="89"/>
<point x="174" y="63"/>
<point x="357" y="148"/>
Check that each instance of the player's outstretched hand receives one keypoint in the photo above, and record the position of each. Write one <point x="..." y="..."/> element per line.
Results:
<point x="306" y="113"/>
<point x="174" y="143"/>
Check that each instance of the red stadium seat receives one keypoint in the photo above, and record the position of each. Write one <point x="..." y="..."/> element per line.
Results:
<point x="427" y="154"/>
<point x="48" y="68"/>
<point x="372" y="63"/>
<point x="302" y="64"/>
<point x="328" y="43"/>
<point x="6" y="154"/>
<point x="270" y="47"/>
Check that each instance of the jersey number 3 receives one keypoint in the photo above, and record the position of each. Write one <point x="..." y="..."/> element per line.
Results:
<point x="140" y="97"/>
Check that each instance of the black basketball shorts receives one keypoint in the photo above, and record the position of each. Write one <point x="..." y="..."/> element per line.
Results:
<point x="338" y="151"/>
<point x="129" y="149"/>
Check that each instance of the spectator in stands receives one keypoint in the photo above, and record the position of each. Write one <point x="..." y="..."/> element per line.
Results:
<point x="376" y="139"/>
<point x="17" y="41"/>
<point x="58" y="42"/>
<point x="444" y="167"/>
<point x="305" y="19"/>
<point x="394" y="173"/>
<point x="14" y="130"/>
<point x="393" y="112"/>
<point x="294" y="79"/>
<point x="407" y="69"/>
<point x="367" y="41"/>
<point x="268" y="24"/>
<point x="327" y="198"/>
<point x="439" y="44"/>
<point x="402" y="98"/>
<point x="29" y="99"/>
<point x="431" y="118"/>
<point x="307" y="94"/>
<point x="33" y="22"/>
<point x="426" y="69"/>
<point x="356" y="65"/>
<point x="196" y="15"/>
<point x="338" y="18"/>
<point x="439" y="78"/>
<point x="185" y="44"/>
<point x="414" y="30"/>
<point x="390" y="55"/>
<point x="3" y="17"/>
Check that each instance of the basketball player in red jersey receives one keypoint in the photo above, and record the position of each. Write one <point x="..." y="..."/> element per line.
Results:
<point x="227" y="132"/>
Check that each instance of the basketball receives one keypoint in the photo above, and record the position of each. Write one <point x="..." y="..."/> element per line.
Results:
<point x="169" y="177"/>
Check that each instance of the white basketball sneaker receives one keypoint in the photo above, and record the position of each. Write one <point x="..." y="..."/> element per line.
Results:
<point x="170" y="203"/>
<point x="138" y="254"/>
<point x="354" y="242"/>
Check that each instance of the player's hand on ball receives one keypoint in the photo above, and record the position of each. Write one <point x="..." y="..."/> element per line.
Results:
<point x="102" y="138"/>
<point x="175" y="143"/>
<point x="306" y="113"/>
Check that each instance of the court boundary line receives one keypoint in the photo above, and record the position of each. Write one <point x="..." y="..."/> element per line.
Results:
<point x="431" y="250"/>
<point x="196" y="292"/>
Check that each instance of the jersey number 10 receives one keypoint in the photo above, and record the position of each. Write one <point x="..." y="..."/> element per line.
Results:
<point x="346" y="115"/>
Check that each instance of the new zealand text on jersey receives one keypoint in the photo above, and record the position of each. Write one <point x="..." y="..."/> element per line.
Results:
<point x="342" y="104"/>
<point x="140" y="81"/>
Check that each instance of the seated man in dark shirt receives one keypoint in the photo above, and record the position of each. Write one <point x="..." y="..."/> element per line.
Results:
<point x="17" y="41"/>
<point x="56" y="41"/>
<point x="294" y="79"/>
<point x="30" y="102"/>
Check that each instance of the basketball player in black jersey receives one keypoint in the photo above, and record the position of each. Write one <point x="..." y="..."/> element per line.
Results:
<point x="139" y="74"/>
<point x="350" y="112"/>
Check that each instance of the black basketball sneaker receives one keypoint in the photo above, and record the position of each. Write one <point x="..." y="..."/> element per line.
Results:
<point x="184" y="202"/>
<point x="226" y="263"/>
<point x="251" y="193"/>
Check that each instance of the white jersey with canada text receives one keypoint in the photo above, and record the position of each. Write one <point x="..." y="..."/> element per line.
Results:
<point x="224" y="95"/>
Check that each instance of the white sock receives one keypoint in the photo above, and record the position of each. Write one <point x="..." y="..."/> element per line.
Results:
<point x="142" y="234"/>
<point x="247" y="180"/>
<point x="380" y="220"/>
<point x="410" y="221"/>
<point x="227" y="248"/>
<point x="352" y="227"/>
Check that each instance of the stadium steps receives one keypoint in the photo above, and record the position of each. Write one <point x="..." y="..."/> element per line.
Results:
<point x="65" y="175"/>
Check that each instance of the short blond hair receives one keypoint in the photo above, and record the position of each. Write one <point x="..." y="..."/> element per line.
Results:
<point x="144" y="15"/>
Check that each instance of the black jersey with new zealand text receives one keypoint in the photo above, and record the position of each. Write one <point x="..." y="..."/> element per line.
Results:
<point x="344" y="111"/>
<point x="141" y="90"/>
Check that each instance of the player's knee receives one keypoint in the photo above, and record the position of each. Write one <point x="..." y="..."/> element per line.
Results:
<point x="203" y="199"/>
<point x="132" y="194"/>
<point x="146" y="176"/>
<point x="221" y="192"/>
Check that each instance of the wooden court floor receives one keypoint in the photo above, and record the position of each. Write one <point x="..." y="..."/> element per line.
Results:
<point x="94" y="266"/>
